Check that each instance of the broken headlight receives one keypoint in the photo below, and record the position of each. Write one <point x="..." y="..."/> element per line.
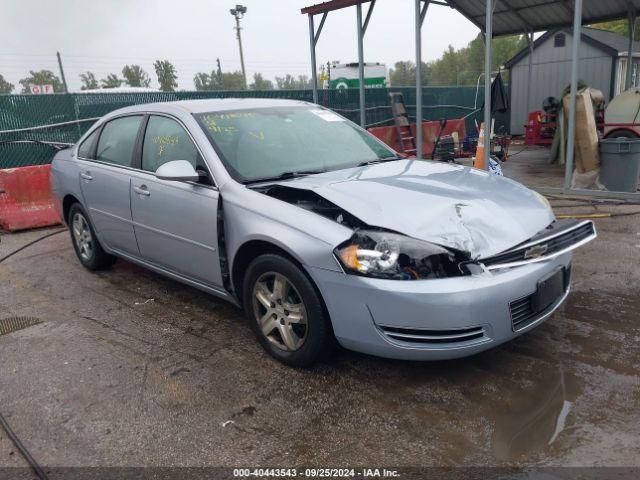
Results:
<point x="390" y="255"/>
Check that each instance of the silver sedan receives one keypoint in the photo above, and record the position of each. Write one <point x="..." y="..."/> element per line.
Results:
<point x="314" y="227"/>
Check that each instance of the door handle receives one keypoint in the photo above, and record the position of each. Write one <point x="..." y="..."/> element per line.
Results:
<point x="142" y="190"/>
<point x="86" y="175"/>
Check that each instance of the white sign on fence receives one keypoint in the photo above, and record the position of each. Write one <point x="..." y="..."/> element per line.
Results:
<point x="41" y="89"/>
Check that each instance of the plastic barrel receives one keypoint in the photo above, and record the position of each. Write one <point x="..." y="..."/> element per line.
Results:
<point x="620" y="164"/>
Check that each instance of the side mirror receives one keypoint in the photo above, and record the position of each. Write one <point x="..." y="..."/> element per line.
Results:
<point x="177" y="170"/>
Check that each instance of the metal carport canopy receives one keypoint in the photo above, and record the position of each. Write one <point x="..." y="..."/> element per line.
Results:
<point x="511" y="17"/>
<point x="494" y="18"/>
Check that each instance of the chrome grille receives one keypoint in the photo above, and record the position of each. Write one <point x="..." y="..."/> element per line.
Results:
<point x="558" y="238"/>
<point x="422" y="336"/>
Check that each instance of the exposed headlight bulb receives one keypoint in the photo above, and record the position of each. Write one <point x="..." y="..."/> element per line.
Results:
<point x="389" y="250"/>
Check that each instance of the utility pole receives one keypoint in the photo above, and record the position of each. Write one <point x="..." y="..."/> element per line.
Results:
<point x="219" y="72"/>
<point x="238" y="13"/>
<point x="64" y="80"/>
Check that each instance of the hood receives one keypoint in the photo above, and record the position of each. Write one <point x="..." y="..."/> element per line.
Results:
<point x="457" y="207"/>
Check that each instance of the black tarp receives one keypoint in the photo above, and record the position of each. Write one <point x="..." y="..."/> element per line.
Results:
<point x="499" y="99"/>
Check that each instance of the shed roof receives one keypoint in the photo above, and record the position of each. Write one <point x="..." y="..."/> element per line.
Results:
<point x="330" y="6"/>
<point x="512" y="17"/>
<point x="610" y="42"/>
<point x="615" y="41"/>
<point x="518" y="16"/>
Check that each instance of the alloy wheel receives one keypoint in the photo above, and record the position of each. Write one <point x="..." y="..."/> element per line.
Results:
<point x="280" y="311"/>
<point x="82" y="236"/>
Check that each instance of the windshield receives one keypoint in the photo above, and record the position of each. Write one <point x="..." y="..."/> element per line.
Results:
<point x="265" y="143"/>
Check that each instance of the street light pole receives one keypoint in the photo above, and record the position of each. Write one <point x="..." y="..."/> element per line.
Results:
<point x="64" y="80"/>
<point x="238" y="13"/>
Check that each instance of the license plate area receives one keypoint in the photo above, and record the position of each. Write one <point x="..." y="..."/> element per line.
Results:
<point x="549" y="289"/>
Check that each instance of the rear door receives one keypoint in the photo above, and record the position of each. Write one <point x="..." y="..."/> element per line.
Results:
<point x="105" y="180"/>
<point x="175" y="222"/>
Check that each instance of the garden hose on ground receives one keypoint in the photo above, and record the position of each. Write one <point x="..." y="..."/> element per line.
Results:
<point x="50" y="234"/>
<point x="579" y="203"/>
<point x="518" y="152"/>
<point x="598" y="215"/>
<point x="3" y="423"/>
<point x="22" y="449"/>
<point x="582" y="202"/>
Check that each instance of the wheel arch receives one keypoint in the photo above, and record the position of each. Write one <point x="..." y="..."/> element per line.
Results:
<point x="249" y="251"/>
<point x="67" y="202"/>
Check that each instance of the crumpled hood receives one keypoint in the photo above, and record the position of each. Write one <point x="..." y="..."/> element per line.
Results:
<point x="454" y="206"/>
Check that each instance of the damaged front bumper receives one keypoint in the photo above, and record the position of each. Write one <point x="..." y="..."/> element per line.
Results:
<point x="441" y="318"/>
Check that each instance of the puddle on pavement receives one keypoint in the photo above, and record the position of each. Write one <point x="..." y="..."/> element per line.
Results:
<point x="534" y="418"/>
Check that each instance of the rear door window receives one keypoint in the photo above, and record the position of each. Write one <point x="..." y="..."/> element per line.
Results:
<point x="118" y="140"/>
<point x="166" y="140"/>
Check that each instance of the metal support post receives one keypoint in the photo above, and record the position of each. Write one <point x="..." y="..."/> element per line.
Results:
<point x="420" y="12"/>
<point x="632" y="24"/>
<point x="487" y="82"/>
<point x="363" y="111"/>
<point x="571" y="134"/>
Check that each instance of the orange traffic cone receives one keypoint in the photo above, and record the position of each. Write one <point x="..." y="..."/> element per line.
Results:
<point x="479" y="160"/>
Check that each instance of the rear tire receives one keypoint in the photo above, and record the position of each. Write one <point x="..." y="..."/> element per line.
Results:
<point x="285" y="311"/>
<point x="85" y="242"/>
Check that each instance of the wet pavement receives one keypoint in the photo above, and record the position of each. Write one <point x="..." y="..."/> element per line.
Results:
<point x="128" y="368"/>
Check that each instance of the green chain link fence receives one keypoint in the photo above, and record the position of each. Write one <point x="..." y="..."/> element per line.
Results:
<point x="20" y="113"/>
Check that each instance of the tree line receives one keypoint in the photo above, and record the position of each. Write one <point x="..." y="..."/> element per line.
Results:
<point x="166" y="73"/>
<point x="458" y="67"/>
<point x="455" y="67"/>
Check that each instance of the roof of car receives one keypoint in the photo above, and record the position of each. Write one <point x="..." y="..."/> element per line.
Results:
<point x="212" y="105"/>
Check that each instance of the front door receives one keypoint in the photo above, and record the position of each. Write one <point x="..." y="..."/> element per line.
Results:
<point x="175" y="222"/>
<point x="105" y="183"/>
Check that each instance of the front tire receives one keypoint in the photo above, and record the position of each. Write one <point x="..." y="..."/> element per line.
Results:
<point x="85" y="242"/>
<point x="285" y="311"/>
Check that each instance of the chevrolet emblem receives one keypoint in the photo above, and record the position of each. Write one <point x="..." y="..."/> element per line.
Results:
<point x="535" y="251"/>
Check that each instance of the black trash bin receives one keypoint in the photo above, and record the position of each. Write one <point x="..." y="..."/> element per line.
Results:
<point x="620" y="164"/>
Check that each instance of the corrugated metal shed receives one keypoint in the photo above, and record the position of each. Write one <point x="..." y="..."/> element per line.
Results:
<point x="551" y="69"/>
<point x="496" y="18"/>
<point x="518" y="16"/>
<point x="610" y="42"/>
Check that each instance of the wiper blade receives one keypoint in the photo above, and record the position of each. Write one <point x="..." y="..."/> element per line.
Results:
<point x="379" y="160"/>
<point x="299" y="173"/>
<point x="286" y="176"/>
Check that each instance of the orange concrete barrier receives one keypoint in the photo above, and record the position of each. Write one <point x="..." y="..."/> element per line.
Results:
<point x="388" y="135"/>
<point x="25" y="198"/>
<point x="430" y="131"/>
